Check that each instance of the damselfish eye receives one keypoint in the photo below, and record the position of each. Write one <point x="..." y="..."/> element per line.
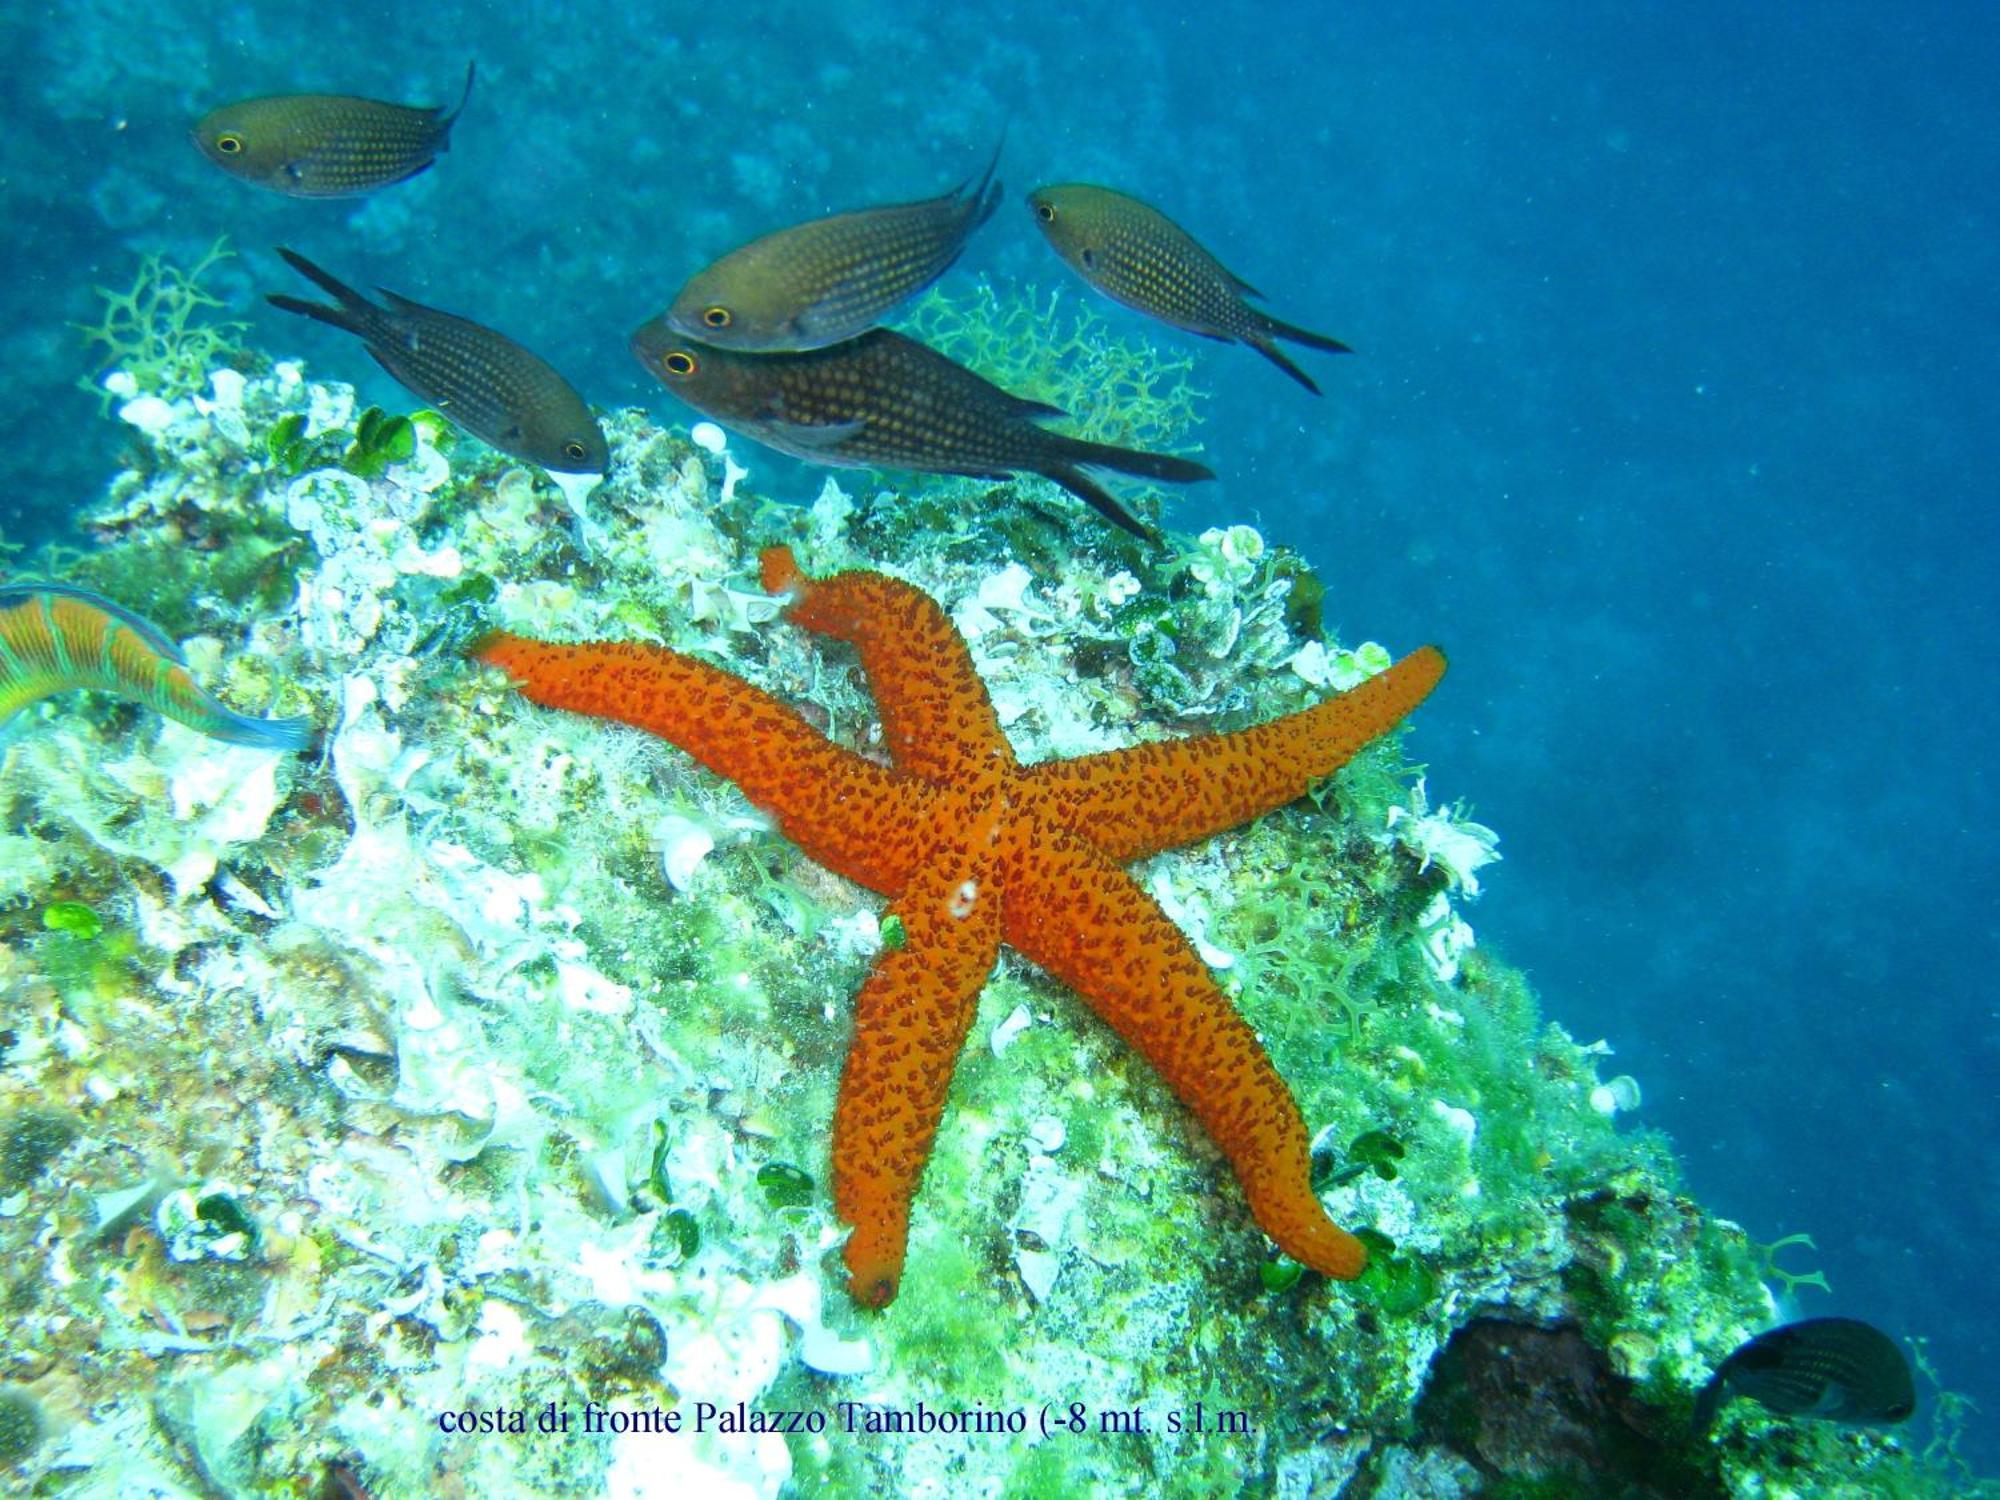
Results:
<point x="716" y="317"/>
<point x="680" y="362"/>
<point x="574" y="451"/>
<point x="1046" y="212"/>
<point x="229" y="145"/>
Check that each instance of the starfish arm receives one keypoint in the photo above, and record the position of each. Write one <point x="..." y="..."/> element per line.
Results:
<point x="851" y="815"/>
<point x="1135" y="802"/>
<point x="937" y="719"/>
<point x="1086" y="921"/>
<point x="910" y="1021"/>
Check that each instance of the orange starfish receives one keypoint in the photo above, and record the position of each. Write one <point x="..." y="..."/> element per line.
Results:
<point x="974" y="849"/>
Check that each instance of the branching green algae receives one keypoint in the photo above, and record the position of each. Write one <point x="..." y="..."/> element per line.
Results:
<point x="483" y="1065"/>
<point x="159" y="335"/>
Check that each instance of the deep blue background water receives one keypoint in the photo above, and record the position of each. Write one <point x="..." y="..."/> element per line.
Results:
<point x="1673" y="422"/>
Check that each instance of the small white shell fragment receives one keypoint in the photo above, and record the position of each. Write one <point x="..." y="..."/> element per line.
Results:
<point x="709" y="437"/>
<point x="1038" y="1271"/>
<point x="1191" y="919"/>
<point x="228" y="387"/>
<point x="858" y="933"/>
<point x="827" y="1352"/>
<point x="502" y="1338"/>
<point x="149" y="414"/>
<point x="1460" y="1122"/>
<point x="820" y="1348"/>
<point x="246" y="898"/>
<point x="1617" y="1096"/>
<point x="1047" y="1135"/>
<point x="683" y="844"/>
<point x="604" y="1171"/>
<point x="1018" y="1021"/>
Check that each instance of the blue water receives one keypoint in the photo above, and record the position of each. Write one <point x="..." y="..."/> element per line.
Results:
<point x="1672" y="421"/>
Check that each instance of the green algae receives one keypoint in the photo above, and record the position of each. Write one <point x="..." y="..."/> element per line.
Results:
<point x="1056" y="348"/>
<point x="784" y="1185"/>
<point x="159" y="330"/>
<point x="379" y="441"/>
<point x="76" y="918"/>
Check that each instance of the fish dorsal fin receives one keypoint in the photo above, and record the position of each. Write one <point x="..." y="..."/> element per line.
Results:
<point x="446" y="120"/>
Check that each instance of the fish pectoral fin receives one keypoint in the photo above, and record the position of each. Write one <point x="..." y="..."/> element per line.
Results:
<point x="804" y="328"/>
<point x="815" y="434"/>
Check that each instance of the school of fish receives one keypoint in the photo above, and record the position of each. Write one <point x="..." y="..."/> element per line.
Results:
<point x="779" y="339"/>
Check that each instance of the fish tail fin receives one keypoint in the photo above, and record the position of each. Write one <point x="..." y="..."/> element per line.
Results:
<point x="446" y="121"/>
<point x="1099" y="499"/>
<point x="1170" y="467"/>
<point x="986" y="196"/>
<point x="1276" y="328"/>
<point x="264" y="734"/>
<point x="318" y="311"/>
<point x="1262" y="343"/>
<point x="354" y="312"/>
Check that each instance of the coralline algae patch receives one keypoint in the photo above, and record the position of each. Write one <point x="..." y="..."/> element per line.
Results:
<point x="475" y="1072"/>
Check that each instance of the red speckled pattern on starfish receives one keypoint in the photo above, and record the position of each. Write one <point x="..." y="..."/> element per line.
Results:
<point x="974" y="850"/>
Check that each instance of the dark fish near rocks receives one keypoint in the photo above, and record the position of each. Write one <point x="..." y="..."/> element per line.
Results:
<point x="1839" y="1368"/>
<point x="886" y="400"/>
<point x="481" y="380"/>
<point x="1136" y="255"/>
<point x="326" y="145"/>
<point x="818" y="283"/>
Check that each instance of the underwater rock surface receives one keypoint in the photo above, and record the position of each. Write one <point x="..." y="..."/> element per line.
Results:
<point x="446" y="1113"/>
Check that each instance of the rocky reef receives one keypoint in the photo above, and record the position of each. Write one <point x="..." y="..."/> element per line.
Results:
<point x="444" y="1112"/>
